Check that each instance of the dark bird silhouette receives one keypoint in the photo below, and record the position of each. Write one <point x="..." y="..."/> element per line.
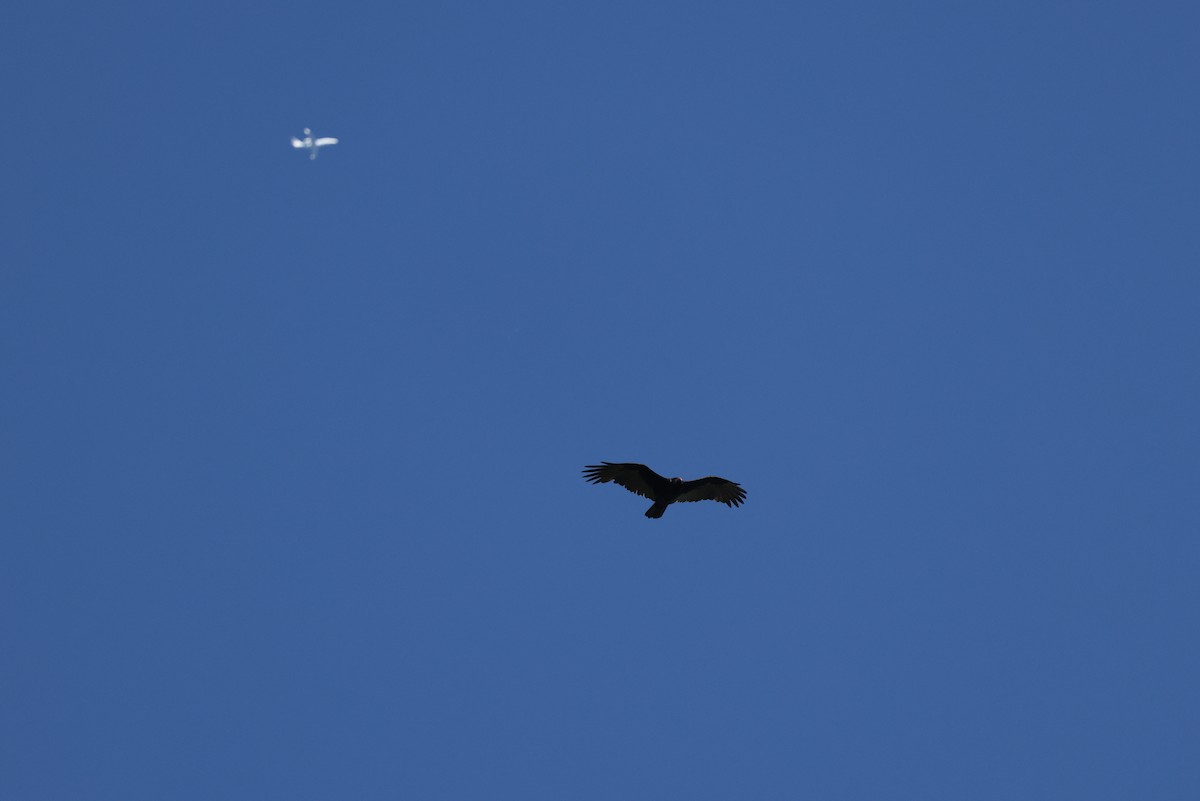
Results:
<point x="641" y="480"/>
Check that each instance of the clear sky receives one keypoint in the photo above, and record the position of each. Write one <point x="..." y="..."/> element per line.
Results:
<point x="291" y="450"/>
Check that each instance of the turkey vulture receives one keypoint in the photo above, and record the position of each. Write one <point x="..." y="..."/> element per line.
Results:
<point x="641" y="480"/>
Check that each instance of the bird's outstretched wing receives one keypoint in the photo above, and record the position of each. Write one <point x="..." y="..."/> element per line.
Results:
<point x="326" y="140"/>
<point x="712" y="488"/>
<point x="637" y="478"/>
<point x="296" y="142"/>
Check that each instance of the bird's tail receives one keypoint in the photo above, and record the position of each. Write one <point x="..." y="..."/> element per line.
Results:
<point x="656" y="510"/>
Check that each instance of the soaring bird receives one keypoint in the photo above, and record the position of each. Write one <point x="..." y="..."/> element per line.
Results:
<point x="310" y="144"/>
<point x="641" y="480"/>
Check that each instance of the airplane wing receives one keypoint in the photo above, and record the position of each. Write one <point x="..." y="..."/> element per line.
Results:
<point x="326" y="140"/>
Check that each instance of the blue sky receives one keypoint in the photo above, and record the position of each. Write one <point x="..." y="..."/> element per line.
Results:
<point x="291" y="449"/>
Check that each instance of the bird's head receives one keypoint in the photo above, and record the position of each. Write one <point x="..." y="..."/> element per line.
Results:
<point x="677" y="481"/>
<point x="308" y="132"/>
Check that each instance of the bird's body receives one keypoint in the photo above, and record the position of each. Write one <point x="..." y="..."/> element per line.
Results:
<point x="311" y="144"/>
<point x="641" y="480"/>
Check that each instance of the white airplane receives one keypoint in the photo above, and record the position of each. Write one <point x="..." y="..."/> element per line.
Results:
<point x="312" y="144"/>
